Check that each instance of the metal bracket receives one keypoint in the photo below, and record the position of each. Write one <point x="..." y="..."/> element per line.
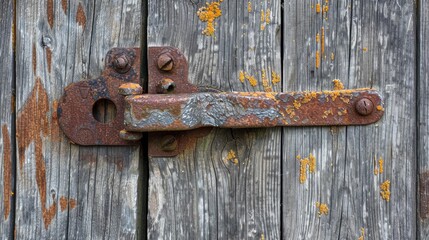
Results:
<point x="173" y="105"/>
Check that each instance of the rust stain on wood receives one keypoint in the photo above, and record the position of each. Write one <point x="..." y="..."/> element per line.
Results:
<point x="80" y="16"/>
<point x="64" y="203"/>
<point x="33" y="125"/>
<point x="424" y="195"/>
<point x="50" y="12"/>
<point x="49" y="58"/>
<point x="34" y="58"/>
<point x="7" y="171"/>
<point x="64" y="5"/>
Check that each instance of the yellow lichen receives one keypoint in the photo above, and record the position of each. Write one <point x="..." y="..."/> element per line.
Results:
<point x="290" y="110"/>
<point x="262" y="237"/>
<point x="309" y="162"/>
<point x="265" y="83"/>
<point x="242" y="76"/>
<point x="325" y="8"/>
<point x="375" y="171"/>
<point x="317" y="37"/>
<point x="322" y="208"/>
<point x="208" y="14"/>
<point x="252" y="80"/>
<point x="327" y="113"/>
<point x="231" y="157"/>
<point x="385" y="190"/>
<point x="332" y="56"/>
<point x="342" y="111"/>
<point x="380" y="165"/>
<point x="268" y="16"/>
<point x="296" y="104"/>
<point x="249" y="7"/>
<point x="362" y="234"/>
<point x="364" y="49"/>
<point x="275" y="78"/>
<point x="338" y="85"/>
<point x="318" y="8"/>
<point x="380" y="108"/>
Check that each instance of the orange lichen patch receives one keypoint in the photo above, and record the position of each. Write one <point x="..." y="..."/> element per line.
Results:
<point x="332" y="56"/>
<point x="7" y="171"/>
<point x="290" y="110"/>
<point x="380" y="108"/>
<point x="275" y="78"/>
<point x="64" y="5"/>
<point x="362" y="234"/>
<point x="50" y="12"/>
<point x="375" y="171"/>
<point x="265" y="83"/>
<point x="380" y="165"/>
<point x="209" y="14"/>
<point x="249" y="6"/>
<point x="80" y="16"/>
<point x="327" y="113"/>
<point x="342" y="111"/>
<point x="322" y="41"/>
<point x="231" y="157"/>
<point x="317" y="59"/>
<point x="242" y="76"/>
<point x="318" y="8"/>
<point x="32" y="125"/>
<point x="308" y="96"/>
<point x="385" y="190"/>
<point x="322" y="208"/>
<point x="262" y="20"/>
<point x="325" y="8"/>
<point x="296" y="104"/>
<point x="34" y="58"/>
<point x="309" y="162"/>
<point x="338" y="85"/>
<point x="252" y="80"/>
<point x="268" y="16"/>
<point x="49" y="58"/>
<point x="364" y="49"/>
<point x="317" y="37"/>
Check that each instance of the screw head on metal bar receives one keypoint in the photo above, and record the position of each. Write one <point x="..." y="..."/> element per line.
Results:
<point x="364" y="106"/>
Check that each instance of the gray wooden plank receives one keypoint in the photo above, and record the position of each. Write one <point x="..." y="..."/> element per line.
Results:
<point x="373" y="45"/>
<point x="7" y="160"/>
<point x="201" y="194"/>
<point x="63" y="190"/>
<point x="423" y="124"/>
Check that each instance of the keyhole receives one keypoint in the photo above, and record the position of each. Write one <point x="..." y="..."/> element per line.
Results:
<point x="104" y="111"/>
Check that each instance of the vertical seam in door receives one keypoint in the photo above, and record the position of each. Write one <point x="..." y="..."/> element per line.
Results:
<point x="13" y="127"/>
<point x="417" y="115"/>
<point x="282" y="2"/>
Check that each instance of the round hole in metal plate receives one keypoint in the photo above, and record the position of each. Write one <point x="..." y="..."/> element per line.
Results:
<point x="104" y="110"/>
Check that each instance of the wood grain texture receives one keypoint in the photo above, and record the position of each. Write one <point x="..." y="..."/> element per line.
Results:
<point x="7" y="157"/>
<point x="372" y="44"/>
<point x="201" y="194"/>
<point x="423" y="121"/>
<point x="63" y="190"/>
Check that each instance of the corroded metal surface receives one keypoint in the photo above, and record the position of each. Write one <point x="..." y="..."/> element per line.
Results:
<point x="75" y="108"/>
<point x="180" y="112"/>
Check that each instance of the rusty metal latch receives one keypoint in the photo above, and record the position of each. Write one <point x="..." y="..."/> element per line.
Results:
<point x="173" y="107"/>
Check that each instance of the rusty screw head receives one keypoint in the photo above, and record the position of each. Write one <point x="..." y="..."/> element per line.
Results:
<point x="168" y="143"/>
<point x="122" y="64"/>
<point x="166" y="86"/>
<point x="165" y="62"/>
<point x="364" y="106"/>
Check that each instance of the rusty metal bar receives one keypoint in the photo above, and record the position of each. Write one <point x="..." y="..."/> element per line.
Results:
<point x="186" y="111"/>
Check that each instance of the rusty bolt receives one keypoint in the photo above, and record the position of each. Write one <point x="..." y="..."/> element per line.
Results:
<point x="364" y="106"/>
<point x="166" y="86"/>
<point x="165" y="62"/>
<point x="121" y="64"/>
<point x="128" y="89"/>
<point x="168" y="143"/>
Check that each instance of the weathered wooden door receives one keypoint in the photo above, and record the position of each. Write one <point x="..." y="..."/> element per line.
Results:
<point x="369" y="182"/>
